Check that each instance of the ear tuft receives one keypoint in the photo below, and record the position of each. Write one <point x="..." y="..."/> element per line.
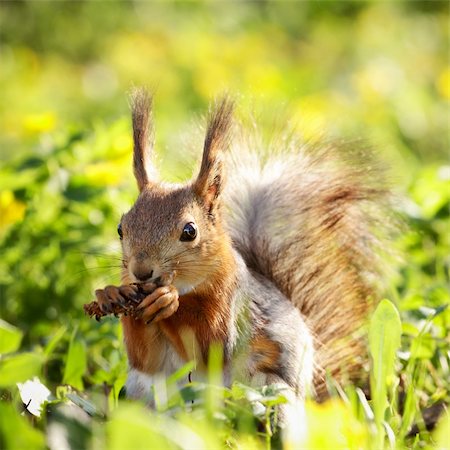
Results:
<point x="218" y="134"/>
<point x="218" y="129"/>
<point x="141" y="116"/>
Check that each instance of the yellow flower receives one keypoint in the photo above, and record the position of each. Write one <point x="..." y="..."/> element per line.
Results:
<point x="443" y="83"/>
<point x="332" y="425"/>
<point x="11" y="210"/>
<point x="39" y="123"/>
<point x="110" y="173"/>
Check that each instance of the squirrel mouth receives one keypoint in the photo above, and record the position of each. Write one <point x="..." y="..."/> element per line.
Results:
<point x="166" y="278"/>
<point x="169" y="278"/>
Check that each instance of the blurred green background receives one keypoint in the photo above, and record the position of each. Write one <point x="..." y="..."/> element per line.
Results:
<point x="343" y="70"/>
<point x="371" y="70"/>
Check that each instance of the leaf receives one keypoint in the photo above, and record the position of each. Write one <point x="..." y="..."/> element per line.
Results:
<point x="384" y="341"/>
<point x="190" y="393"/>
<point x="238" y="391"/>
<point x="274" y="400"/>
<point x="16" y="432"/>
<point x="181" y="374"/>
<point x="131" y="426"/>
<point x="84" y="404"/>
<point x="10" y="337"/>
<point x="55" y="340"/>
<point x="409" y="329"/>
<point x="20" y="367"/>
<point x="442" y="433"/>
<point x="76" y="363"/>
<point x="423" y="347"/>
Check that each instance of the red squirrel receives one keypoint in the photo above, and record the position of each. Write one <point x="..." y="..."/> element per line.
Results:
<point x="274" y="257"/>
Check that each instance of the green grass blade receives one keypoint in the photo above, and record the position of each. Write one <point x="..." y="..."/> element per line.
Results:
<point x="384" y="341"/>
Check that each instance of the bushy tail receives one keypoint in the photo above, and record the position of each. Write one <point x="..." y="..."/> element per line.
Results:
<point x="312" y="221"/>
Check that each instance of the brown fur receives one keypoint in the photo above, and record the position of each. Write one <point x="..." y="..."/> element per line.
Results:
<point x="141" y="114"/>
<point x="306" y="221"/>
<point x="266" y="352"/>
<point x="209" y="181"/>
<point x="312" y="223"/>
<point x="143" y="344"/>
<point x="206" y="311"/>
<point x="157" y="214"/>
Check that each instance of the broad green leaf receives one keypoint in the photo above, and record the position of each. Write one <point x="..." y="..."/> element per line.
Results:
<point x="134" y="427"/>
<point x="10" y="337"/>
<point x="131" y="426"/>
<point x="87" y="406"/>
<point x="20" y="367"/>
<point x="442" y="434"/>
<point x="76" y="363"/>
<point x="384" y="341"/>
<point x="16" y="432"/>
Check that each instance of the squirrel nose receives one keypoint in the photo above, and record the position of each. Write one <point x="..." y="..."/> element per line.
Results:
<point x="142" y="276"/>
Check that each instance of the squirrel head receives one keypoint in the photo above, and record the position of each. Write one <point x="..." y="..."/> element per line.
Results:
<point x="175" y="228"/>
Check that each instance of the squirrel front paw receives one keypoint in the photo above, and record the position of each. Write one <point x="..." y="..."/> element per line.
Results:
<point x="111" y="297"/>
<point x="160" y="304"/>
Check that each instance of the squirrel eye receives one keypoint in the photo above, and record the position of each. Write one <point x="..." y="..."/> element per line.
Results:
<point x="189" y="232"/>
<point x="119" y="230"/>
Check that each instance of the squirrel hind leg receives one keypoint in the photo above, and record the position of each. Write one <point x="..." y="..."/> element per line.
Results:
<point x="139" y="387"/>
<point x="291" y="416"/>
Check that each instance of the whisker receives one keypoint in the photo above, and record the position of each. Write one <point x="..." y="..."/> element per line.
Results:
<point x="164" y="254"/>
<point x="88" y="269"/>
<point x="100" y="255"/>
<point x="193" y="272"/>
<point x="186" y="270"/>
<point x="196" y="263"/>
<point x="103" y="279"/>
<point x="177" y="255"/>
<point x="193" y="269"/>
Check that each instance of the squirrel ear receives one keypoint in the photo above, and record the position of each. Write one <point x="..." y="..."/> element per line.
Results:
<point x="141" y="116"/>
<point x="209" y="181"/>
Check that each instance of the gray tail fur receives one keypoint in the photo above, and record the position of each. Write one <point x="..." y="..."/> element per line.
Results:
<point x="312" y="220"/>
